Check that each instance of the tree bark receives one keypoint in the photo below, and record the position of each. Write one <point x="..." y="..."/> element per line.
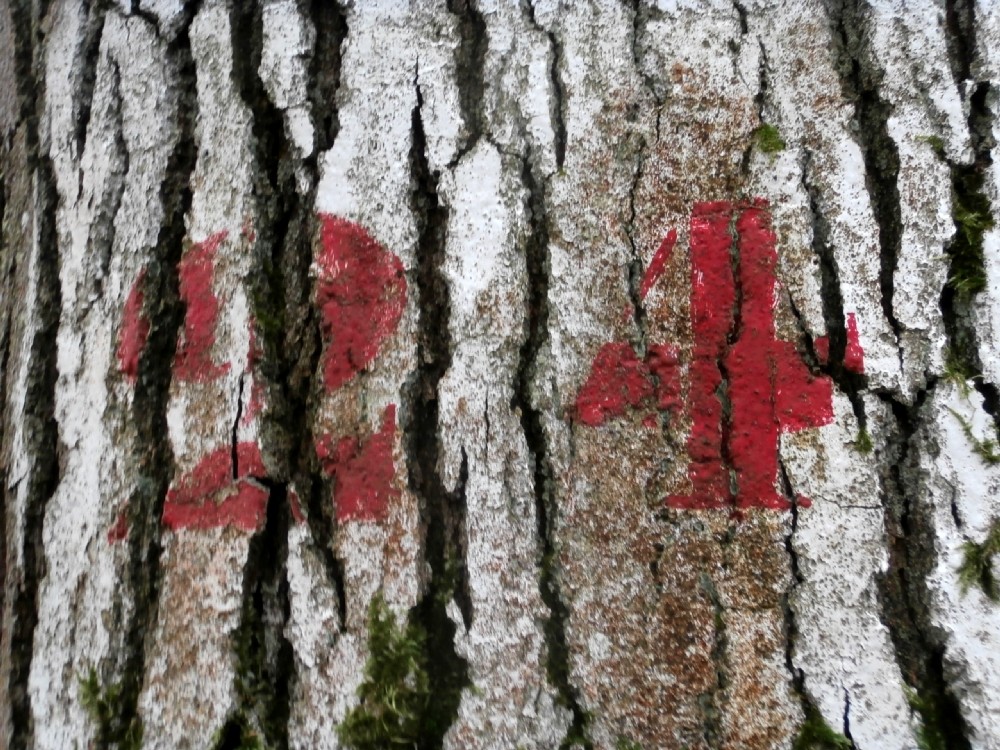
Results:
<point x="487" y="374"/>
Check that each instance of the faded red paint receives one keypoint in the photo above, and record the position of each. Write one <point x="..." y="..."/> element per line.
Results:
<point x="193" y="360"/>
<point x="618" y="381"/>
<point x="362" y="470"/>
<point x="361" y="294"/>
<point x="119" y="531"/>
<point x="214" y="494"/>
<point x="134" y="331"/>
<point x="255" y="404"/>
<point x="736" y="355"/>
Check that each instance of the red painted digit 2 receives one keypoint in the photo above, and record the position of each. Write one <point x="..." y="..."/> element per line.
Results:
<point x="361" y="294"/>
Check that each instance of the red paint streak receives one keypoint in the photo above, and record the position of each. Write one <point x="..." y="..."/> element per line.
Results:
<point x="363" y="471"/>
<point x="770" y="389"/>
<point x="854" y="355"/>
<point x="361" y="293"/>
<point x="119" y="531"/>
<point x="135" y="330"/>
<point x="193" y="361"/>
<point x="658" y="263"/>
<point x="194" y="502"/>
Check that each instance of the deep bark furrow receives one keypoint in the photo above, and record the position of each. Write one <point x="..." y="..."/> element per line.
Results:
<point x="538" y="271"/>
<point x="861" y="81"/>
<point x="40" y="426"/>
<point x="470" y="55"/>
<point x="154" y="455"/>
<point x="282" y="244"/>
<point x="442" y="511"/>
<point x="330" y="24"/>
<point x="87" y="61"/>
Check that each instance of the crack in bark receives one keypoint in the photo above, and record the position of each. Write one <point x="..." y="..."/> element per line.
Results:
<point x="903" y="592"/>
<point x="537" y="266"/>
<point x="557" y="102"/>
<point x="860" y="82"/>
<point x="40" y="426"/>
<point x="442" y="513"/>
<point x="330" y="23"/>
<point x="711" y="702"/>
<point x="849" y="383"/>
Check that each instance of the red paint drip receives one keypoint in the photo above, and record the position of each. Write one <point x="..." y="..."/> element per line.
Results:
<point x="135" y="330"/>
<point x="854" y="355"/>
<point x="361" y="293"/>
<point x="658" y="263"/>
<point x="770" y="388"/>
<point x="194" y="501"/>
<point x="193" y="361"/>
<point x="363" y="471"/>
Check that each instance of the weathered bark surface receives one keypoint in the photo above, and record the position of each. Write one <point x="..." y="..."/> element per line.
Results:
<point x="643" y="355"/>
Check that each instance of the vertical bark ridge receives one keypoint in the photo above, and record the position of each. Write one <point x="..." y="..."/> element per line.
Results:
<point x="40" y="427"/>
<point x="558" y="89"/>
<point x="442" y="511"/>
<point x="154" y="459"/>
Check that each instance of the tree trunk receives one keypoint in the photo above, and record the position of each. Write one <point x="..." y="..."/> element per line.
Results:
<point x="536" y="375"/>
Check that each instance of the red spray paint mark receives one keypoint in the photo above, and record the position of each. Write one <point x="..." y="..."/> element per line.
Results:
<point x="363" y="471"/>
<point x="135" y="330"/>
<point x="361" y="293"/>
<point x="209" y="495"/>
<point x="619" y="380"/>
<point x="193" y="361"/>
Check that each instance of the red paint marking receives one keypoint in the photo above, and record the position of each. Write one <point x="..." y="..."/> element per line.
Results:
<point x="361" y="293"/>
<point x="194" y="502"/>
<point x="363" y="471"/>
<point x="617" y="380"/>
<point x="193" y="361"/>
<point x="854" y="355"/>
<point x="770" y="388"/>
<point x="135" y="330"/>
<point x="658" y="263"/>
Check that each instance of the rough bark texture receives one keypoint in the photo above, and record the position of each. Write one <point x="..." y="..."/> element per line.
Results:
<point x="640" y="360"/>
